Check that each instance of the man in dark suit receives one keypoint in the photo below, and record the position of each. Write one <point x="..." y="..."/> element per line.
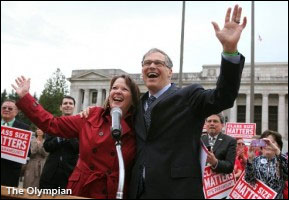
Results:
<point x="222" y="151"/>
<point x="169" y="120"/>
<point x="63" y="154"/>
<point x="10" y="170"/>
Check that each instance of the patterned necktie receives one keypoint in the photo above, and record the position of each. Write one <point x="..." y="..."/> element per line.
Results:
<point x="212" y="141"/>
<point x="147" y="114"/>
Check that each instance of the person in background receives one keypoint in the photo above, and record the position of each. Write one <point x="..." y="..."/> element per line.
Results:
<point x="222" y="151"/>
<point x="242" y="153"/>
<point x="285" y="191"/>
<point x="36" y="162"/>
<point x="271" y="167"/>
<point x="63" y="153"/>
<point x="10" y="170"/>
<point x="237" y="169"/>
<point x="241" y="158"/>
<point x="96" y="173"/>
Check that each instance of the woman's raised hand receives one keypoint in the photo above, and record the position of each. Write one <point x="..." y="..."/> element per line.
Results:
<point x="23" y="86"/>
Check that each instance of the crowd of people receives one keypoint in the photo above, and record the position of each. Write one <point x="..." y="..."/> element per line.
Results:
<point x="161" y="134"/>
<point x="231" y="155"/>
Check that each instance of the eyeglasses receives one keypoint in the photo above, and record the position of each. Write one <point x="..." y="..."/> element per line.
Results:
<point x="158" y="63"/>
<point x="7" y="108"/>
<point x="240" y="144"/>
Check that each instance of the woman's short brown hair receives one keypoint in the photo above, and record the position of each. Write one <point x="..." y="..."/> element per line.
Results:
<point x="277" y="137"/>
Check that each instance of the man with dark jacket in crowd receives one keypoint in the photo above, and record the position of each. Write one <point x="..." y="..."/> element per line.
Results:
<point x="222" y="147"/>
<point x="10" y="170"/>
<point x="63" y="154"/>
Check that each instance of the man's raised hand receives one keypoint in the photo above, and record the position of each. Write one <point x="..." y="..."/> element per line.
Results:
<point x="230" y="35"/>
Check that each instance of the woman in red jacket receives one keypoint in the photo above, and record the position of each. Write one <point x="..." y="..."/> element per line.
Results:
<point x="96" y="172"/>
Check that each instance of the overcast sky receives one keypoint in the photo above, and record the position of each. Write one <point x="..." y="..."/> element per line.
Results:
<point x="39" y="37"/>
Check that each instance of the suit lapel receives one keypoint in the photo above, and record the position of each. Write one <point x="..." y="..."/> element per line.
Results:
<point x="171" y="90"/>
<point x="141" y="128"/>
<point x="167" y="93"/>
<point x="15" y="124"/>
<point x="205" y="140"/>
<point x="218" y="142"/>
<point x="140" y="121"/>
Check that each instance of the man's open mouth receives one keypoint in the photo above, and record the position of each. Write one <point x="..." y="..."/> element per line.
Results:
<point x="152" y="75"/>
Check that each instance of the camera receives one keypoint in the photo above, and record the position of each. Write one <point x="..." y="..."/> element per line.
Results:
<point x="258" y="143"/>
<point x="209" y="147"/>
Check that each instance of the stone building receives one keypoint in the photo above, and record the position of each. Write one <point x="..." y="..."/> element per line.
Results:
<point x="91" y="87"/>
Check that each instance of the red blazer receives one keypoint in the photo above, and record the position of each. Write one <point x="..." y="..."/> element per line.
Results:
<point x="96" y="172"/>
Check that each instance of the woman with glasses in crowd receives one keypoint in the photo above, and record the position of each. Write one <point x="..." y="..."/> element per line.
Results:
<point x="241" y="157"/>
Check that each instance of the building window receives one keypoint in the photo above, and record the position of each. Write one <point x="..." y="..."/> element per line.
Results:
<point x="82" y="96"/>
<point x="273" y="118"/>
<point x="241" y="113"/>
<point x="103" y="95"/>
<point x="258" y="119"/>
<point x="94" y="98"/>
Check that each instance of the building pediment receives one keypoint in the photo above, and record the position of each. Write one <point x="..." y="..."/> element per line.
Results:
<point x="90" y="76"/>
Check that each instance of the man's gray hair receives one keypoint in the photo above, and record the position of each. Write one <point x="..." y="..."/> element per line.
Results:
<point x="168" y="61"/>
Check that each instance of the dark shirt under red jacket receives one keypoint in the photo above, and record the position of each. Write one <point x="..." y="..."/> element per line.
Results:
<point x="96" y="172"/>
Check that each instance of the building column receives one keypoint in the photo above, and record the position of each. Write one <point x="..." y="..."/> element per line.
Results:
<point x="99" y="97"/>
<point x="248" y="108"/>
<point x="281" y="115"/>
<point x="233" y="112"/>
<point x="77" y="98"/>
<point x="265" y="114"/>
<point x="86" y="99"/>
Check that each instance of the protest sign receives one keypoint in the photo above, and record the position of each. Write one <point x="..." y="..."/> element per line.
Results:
<point x="15" y="144"/>
<point x="243" y="190"/>
<point x="203" y="157"/>
<point x="241" y="130"/>
<point x="217" y="186"/>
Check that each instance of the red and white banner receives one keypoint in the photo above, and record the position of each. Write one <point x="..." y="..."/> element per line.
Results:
<point x="243" y="190"/>
<point x="217" y="186"/>
<point x="15" y="144"/>
<point x="203" y="157"/>
<point x="241" y="130"/>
